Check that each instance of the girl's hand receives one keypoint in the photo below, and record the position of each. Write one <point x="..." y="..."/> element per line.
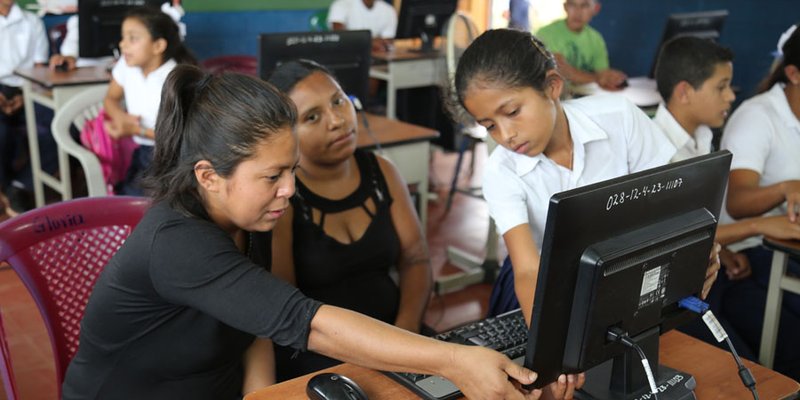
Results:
<point x="128" y="125"/>
<point x="564" y="387"/>
<point x="484" y="374"/>
<point x="712" y="270"/>
<point x="791" y="191"/>
<point x="777" y="227"/>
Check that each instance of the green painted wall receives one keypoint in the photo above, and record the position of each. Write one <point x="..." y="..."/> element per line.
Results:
<point x="242" y="5"/>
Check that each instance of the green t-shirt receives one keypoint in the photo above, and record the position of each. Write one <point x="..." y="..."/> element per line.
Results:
<point x="585" y="50"/>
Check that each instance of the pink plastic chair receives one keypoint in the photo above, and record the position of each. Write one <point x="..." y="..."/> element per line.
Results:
<point x="58" y="251"/>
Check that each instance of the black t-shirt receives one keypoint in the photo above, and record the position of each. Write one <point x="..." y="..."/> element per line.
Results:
<point x="174" y="310"/>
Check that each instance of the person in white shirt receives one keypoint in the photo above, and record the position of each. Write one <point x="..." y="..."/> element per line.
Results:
<point x="23" y="43"/>
<point x="151" y="47"/>
<point x="68" y="56"/>
<point x="694" y="76"/>
<point x="378" y="16"/>
<point x="764" y="136"/>
<point x="509" y="83"/>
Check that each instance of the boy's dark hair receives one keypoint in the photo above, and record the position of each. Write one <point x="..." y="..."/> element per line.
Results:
<point x="286" y="75"/>
<point x="162" y="26"/>
<point x="791" y="56"/>
<point x="219" y="118"/>
<point x="504" y="56"/>
<point x="689" y="59"/>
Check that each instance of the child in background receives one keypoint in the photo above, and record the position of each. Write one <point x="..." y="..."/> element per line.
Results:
<point x="764" y="135"/>
<point x="175" y="313"/>
<point x="23" y="43"/>
<point x="579" y="49"/>
<point x="351" y="221"/>
<point x="68" y="56"/>
<point x="151" y="47"/>
<point x="694" y="78"/>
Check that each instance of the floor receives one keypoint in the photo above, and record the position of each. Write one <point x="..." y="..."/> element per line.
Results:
<point x="464" y="226"/>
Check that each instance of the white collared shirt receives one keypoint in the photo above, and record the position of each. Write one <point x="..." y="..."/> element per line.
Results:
<point x="142" y="93"/>
<point x="381" y="19"/>
<point x="764" y="136"/>
<point x="689" y="146"/>
<point x="23" y="42"/>
<point x="611" y="137"/>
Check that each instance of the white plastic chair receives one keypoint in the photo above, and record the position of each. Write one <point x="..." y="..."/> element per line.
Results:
<point x="81" y="108"/>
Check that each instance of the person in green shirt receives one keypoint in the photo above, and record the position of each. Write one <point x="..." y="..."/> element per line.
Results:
<point x="580" y="49"/>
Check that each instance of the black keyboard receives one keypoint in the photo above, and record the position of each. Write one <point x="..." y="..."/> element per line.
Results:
<point x="506" y="333"/>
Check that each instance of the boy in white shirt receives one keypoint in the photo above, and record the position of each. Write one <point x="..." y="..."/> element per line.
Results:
<point x="694" y="76"/>
<point x="376" y="15"/>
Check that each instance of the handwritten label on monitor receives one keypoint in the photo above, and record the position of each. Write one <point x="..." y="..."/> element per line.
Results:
<point x="642" y="192"/>
<point x="321" y="38"/>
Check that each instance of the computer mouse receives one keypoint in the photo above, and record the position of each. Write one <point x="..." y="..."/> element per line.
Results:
<point x="330" y="386"/>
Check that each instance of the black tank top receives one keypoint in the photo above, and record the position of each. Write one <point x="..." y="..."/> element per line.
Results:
<point x="352" y="275"/>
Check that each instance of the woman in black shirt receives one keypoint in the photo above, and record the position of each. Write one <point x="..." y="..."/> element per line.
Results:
<point x="175" y="312"/>
<point x="351" y="221"/>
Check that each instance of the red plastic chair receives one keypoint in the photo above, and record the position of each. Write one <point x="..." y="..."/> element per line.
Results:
<point x="58" y="251"/>
<point x="235" y="63"/>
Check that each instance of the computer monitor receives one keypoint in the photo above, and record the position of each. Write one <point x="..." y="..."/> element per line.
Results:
<point x="424" y="19"/>
<point x="100" y="24"/>
<point x="621" y="254"/>
<point x="703" y="24"/>
<point x="346" y="53"/>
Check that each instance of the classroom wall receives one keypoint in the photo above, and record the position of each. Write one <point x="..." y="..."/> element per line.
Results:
<point x="632" y="30"/>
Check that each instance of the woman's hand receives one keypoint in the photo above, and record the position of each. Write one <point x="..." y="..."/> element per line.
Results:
<point x="791" y="191"/>
<point x="564" y="387"/>
<point x="484" y="374"/>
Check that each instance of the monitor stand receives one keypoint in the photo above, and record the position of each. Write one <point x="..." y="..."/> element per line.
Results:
<point x="427" y="40"/>
<point x="623" y="377"/>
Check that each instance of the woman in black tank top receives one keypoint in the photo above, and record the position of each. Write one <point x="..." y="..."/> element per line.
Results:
<point x="351" y="221"/>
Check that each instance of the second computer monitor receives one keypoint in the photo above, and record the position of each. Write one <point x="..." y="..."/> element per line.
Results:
<point x="703" y="24"/>
<point x="100" y="24"/>
<point x="346" y="53"/>
<point x="618" y="256"/>
<point x="424" y="19"/>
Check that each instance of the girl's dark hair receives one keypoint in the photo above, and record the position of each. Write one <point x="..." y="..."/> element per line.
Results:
<point x="504" y="56"/>
<point x="162" y="26"/>
<point x="219" y="118"/>
<point x="286" y="75"/>
<point x="791" y="56"/>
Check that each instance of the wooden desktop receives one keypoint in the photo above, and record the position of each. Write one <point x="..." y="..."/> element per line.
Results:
<point x="713" y="369"/>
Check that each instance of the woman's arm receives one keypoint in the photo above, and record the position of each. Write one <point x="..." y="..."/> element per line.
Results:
<point x="414" y="266"/>
<point x="259" y="365"/>
<point x="480" y="373"/>
<point x="525" y="259"/>
<point x="282" y="251"/>
<point x="747" y="199"/>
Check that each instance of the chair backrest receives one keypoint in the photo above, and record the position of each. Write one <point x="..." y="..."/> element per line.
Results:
<point x="79" y="109"/>
<point x="58" y="251"/>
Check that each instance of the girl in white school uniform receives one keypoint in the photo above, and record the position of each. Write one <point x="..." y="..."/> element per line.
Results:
<point x="764" y="136"/>
<point x="151" y="47"/>
<point x="508" y="82"/>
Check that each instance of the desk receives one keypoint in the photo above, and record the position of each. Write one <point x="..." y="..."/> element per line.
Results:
<point x="641" y="91"/>
<point x="403" y="68"/>
<point x="52" y="89"/>
<point x="408" y="146"/>
<point x="778" y="282"/>
<point x="714" y="370"/>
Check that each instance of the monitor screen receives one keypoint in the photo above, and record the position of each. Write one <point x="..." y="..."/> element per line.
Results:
<point x="346" y="53"/>
<point x="100" y="24"/>
<point x="424" y="19"/>
<point x="703" y="24"/>
<point x="621" y="254"/>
